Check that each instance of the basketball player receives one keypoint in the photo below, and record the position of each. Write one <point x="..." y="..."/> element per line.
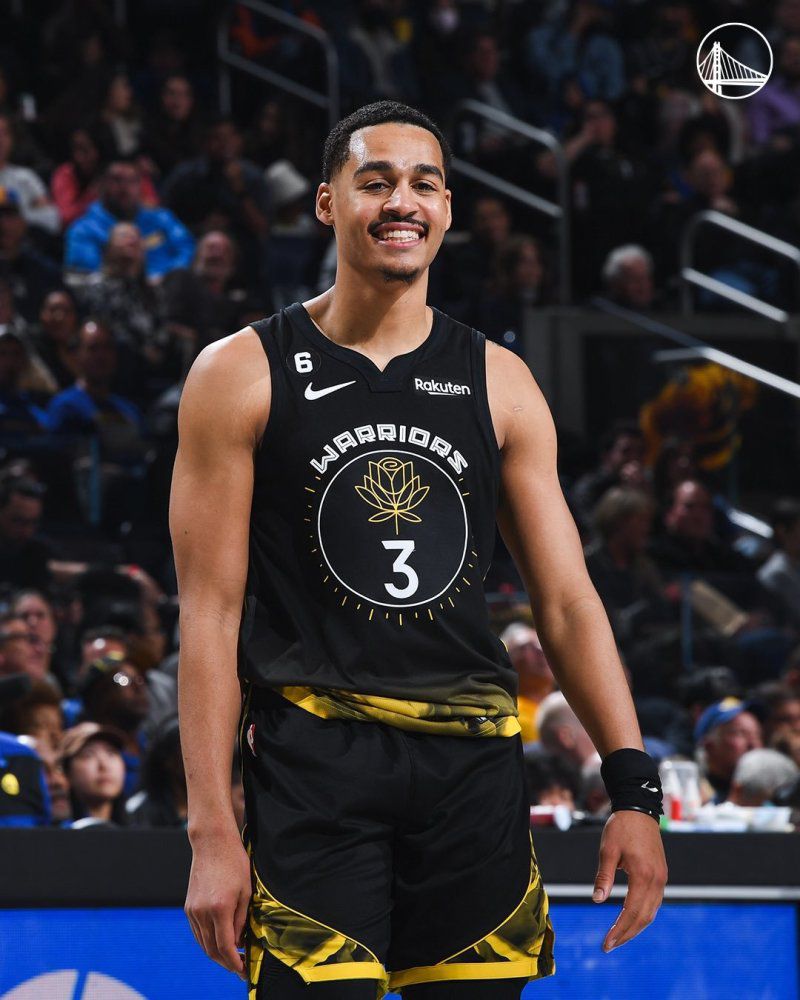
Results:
<point x="340" y="469"/>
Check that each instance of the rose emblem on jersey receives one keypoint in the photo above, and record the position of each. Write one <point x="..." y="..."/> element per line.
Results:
<point x="392" y="530"/>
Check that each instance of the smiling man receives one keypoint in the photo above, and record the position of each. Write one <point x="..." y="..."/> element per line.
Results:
<point x="341" y="468"/>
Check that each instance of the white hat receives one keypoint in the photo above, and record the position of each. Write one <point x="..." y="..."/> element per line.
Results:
<point x="285" y="183"/>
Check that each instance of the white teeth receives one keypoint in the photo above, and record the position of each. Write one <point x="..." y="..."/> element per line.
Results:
<point x="401" y="234"/>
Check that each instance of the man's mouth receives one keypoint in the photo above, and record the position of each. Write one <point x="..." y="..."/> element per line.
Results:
<point x="398" y="232"/>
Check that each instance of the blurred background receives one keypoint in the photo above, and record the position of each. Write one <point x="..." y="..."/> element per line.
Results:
<point x="634" y="236"/>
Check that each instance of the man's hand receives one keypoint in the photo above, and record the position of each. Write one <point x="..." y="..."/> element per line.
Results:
<point x="217" y="899"/>
<point x="631" y="841"/>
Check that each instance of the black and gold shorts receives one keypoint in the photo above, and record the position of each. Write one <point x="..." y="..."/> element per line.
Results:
<point x="388" y="855"/>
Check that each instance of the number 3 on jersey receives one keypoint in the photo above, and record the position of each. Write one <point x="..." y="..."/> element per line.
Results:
<point x="405" y="548"/>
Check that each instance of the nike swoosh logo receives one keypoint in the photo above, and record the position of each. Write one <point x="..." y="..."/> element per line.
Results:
<point x="649" y="788"/>
<point x="311" y="393"/>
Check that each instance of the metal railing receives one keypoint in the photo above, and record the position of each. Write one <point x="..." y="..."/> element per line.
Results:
<point x="693" y="349"/>
<point x="691" y="276"/>
<point x="554" y="210"/>
<point x="328" y="101"/>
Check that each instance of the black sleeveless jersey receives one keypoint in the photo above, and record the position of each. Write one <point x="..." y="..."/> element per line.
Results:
<point x="372" y="530"/>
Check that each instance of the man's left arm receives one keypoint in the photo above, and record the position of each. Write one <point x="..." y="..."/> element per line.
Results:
<point x="572" y="624"/>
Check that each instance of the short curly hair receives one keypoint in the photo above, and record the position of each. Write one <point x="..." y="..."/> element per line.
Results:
<point x="337" y="145"/>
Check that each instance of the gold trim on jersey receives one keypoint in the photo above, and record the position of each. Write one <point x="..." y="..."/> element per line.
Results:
<point x="520" y="947"/>
<point x="416" y="716"/>
<point x="318" y="953"/>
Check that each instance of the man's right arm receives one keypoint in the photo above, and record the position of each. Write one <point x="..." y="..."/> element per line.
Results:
<point x="223" y="410"/>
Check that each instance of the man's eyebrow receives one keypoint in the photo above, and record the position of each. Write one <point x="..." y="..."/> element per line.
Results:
<point x="384" y="166"/>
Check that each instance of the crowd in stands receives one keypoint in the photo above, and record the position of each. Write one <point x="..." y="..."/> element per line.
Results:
<point x="138" y="225"/>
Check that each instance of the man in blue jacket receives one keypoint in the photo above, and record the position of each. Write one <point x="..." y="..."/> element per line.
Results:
<point x="168" y="243"/>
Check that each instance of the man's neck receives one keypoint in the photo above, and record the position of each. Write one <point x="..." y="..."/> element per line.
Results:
<point x="97" y="390"/>
<point x="382" y="320"/>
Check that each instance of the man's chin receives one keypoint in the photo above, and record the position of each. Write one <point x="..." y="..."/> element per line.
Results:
<point x="406" y="276"/>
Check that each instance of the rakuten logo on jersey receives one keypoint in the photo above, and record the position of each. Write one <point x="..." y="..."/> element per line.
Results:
<point x="433" y="388"/>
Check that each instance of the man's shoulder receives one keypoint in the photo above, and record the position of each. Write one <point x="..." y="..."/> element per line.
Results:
<point x="95" y="216"/>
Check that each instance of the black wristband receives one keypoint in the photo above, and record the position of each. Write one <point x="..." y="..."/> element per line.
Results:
<point x="632" y="781"/>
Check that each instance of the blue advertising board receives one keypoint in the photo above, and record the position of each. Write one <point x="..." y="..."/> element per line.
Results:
<point x="708" y="951"/>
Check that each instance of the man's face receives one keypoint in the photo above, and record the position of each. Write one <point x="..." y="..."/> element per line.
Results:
<point x="626" y="448"/>
<point x="97" y="356"/>
<point x="725" y="744"/>
<point x="21" y="651"/>
<point x="177" y="98"/>
<point x="214" y="260"/>
<point x="6" y="140"/>
<point x="635" y="283"/>
<point x="125" y="251"/>
<point x="58" y="316"/>
<point x="19" y="519"/>
<point x="122" y="190"/>
<point x="39" y="616"/>
<point x="484" y="59"/>
<point x="526" y="653"/>
<point x="127" y="694"/>
<point x="691" y="514"/>
<point x="57" y="781"/>
<point x="388" y="204"/>
<point x="491" y="222"/>
<point x="96" y="649"/>
<point x="223" y="143"/>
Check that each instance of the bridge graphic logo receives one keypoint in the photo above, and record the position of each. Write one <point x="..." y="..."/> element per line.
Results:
<point x="724" y="74"/>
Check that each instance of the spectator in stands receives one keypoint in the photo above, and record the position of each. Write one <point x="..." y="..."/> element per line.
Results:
<point x="56" y="781"/>
<point x="174" y="133"/>
<point x="89" y="405"/>
<point x="780" y="706"/>
<point x="37" y="612"/>
<point x="121" y="122"/>
<point x="724" y="732"/>
<point x="98" y="642"/>
<point x="625" y="578"/>
<point x="203" y="303"/>
<point x="56" y="337"/>
<point x="758" y="775"/>
<point x="467" y="268"/>
<point x="30" y="274"/>
<point x="621" y="454"/>
<point x="628" y="277"/>
<point x="220" y="189"/>
<point x="375" y="56"/>
<point x="536" y="679"/>
<point x="780" y="574"/>
<point x="91" y="756"/>
<point x="21" y="650"/>
<point x="592" y="797"/>
<point x="75" y="184"/>
<point x="20" y="412"/>
<point x="688" y="543"/>
<point x="578" y="44"/>
<point x="162" y="798"/>
<point x="518" y="286"/>
<point x="24" y="801"/>
<point x="551" y="781"/>
<point x="36" y="714"/>
<point x="775" y="108"/>
<point x="121" y="299"/>
<point x="31" y="194"/>
<point x="169" y="244"/>
<point x="115" y="694"/>
<point x="561" y="733"/>
<point x="24" y="557"/>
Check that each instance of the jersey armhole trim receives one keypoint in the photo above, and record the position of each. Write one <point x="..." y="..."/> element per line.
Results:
<point x="264" y="331"/>
<point x="478" y="356"/>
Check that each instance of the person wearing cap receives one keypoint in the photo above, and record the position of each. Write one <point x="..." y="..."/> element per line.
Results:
<point x="91" y="755"/>
<point x="725" y="732"/>
<point x="116" y="696"/>
<point x="24" y="798"/>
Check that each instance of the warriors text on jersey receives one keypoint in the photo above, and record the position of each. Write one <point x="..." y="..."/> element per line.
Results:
<point x="371" y="532"/>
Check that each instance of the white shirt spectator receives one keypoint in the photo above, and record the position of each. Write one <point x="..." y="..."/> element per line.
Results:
<point x="33" y="196"/>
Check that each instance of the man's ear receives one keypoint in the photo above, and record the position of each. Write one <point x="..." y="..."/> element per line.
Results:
<point x="447" y="195"/>
<point x="324" y="204"/>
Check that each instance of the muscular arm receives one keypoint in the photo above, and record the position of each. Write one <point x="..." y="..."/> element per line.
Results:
<point x="540" y="534"/>
<point x="223" y="410"/>
<point x="572" y="624"/>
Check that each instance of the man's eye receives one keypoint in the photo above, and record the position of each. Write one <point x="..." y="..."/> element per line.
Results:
<point x="426" y="186"/>
<point x="374" y="185"/>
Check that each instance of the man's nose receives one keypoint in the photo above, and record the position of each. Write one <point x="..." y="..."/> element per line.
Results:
<point x="401" y="201"/>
